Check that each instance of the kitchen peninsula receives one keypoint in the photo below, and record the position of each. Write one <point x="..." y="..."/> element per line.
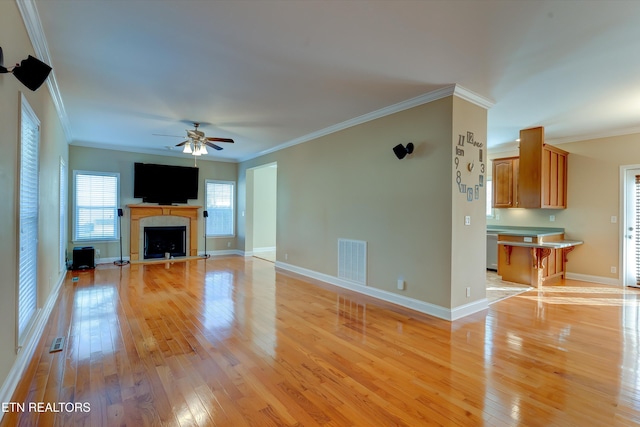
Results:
<point x="532" y="255"/>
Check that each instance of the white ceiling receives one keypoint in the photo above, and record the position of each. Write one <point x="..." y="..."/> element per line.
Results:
<point x="269" y="72"/>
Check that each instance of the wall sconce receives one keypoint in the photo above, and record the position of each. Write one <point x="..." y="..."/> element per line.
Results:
<point x="31" y="72"/>
<point x="401" y="151"/>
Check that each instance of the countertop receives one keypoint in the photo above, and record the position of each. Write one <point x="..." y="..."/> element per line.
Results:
<point x="523" y="231"/>
<point x="551" y="245"/>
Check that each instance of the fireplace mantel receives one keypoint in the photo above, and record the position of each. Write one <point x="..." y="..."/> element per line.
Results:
<point x="143" y="211"/>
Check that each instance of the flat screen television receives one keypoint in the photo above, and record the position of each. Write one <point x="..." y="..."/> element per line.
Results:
<point x="164" y="184"/>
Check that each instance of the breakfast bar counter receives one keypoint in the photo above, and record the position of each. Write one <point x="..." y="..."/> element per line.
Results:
<point x="532" y="256"/>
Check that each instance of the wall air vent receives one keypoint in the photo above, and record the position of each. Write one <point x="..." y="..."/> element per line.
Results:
<point x="352" y="260"/>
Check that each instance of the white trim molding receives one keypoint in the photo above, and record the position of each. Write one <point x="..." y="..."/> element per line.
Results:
<point x="32" y="22"/>
<point x="411" y="303"/>
<point x="268" y="249"/>
<point x="434" y="95"/>
<point x="30" y="343"/>
<point x="222" y="252"/>
<point x="593" y="279"/>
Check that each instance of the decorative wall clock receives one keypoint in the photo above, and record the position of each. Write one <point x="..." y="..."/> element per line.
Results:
<point x="469" y="179"/>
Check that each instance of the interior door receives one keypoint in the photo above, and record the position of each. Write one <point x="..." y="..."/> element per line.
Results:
<point x="631" y="226"/>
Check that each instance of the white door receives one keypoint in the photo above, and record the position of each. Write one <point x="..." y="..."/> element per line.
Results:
<point x="631" y="227"/>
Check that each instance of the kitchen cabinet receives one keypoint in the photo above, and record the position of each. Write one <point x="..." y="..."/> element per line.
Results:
<point x="542" y="176"/>
<point x="505" y="182"/>
<point x="533" y="258"/>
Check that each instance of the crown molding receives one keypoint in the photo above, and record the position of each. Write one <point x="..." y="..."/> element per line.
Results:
<point x="474" y="98"/>
<point x="153" y="151"/>
<point x="35" y="31"/>
<point x="451" y="90"/>
<point x="588" y="137"/>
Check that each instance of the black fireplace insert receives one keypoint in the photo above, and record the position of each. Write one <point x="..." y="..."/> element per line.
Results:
<point x="159" y="241"/>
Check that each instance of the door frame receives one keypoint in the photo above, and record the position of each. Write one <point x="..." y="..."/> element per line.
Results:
<point x="622" y="275"/>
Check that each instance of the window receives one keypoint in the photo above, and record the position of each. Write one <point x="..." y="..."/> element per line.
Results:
<point x="489" y="198"/>
<point x="219" y="205"/>
<point x="63" y="215"/>
<point x="96" y="205"/>
<point x="28" y="219"/>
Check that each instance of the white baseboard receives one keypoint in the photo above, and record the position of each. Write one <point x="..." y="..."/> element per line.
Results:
<point x="247" y="253"/>
<point x="269" y="249"/>
<point x="414" y="304"/>
<point x="30" y="344"/>
<point x="593" y="279"/>
<point x="222" y="252"/>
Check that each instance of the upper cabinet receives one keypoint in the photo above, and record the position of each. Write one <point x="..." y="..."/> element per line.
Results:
<point x="542" y="177"/>
<point x="505" y="182"/>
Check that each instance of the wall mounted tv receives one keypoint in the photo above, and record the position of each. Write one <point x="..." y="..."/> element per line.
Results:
<point x="164" y="184"/>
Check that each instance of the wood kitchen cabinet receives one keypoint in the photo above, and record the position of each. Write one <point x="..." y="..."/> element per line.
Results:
<point x="505" y="182"/>
<point x="542" y="178"/>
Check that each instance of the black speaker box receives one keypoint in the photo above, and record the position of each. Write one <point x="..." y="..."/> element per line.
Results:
<point x="83" y="258"/>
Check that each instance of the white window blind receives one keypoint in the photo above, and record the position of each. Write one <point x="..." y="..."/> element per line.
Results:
<point x="96" y="204"/>
<point x="219" y="202"/>
<point x="63" y="215"/>
<point x="28" y="219"/>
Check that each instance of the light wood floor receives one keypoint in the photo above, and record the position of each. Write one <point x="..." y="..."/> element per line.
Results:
<point x="230" y="342"/>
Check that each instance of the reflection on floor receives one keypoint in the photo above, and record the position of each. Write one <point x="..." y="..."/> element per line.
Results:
<point x="266" y="255"/>
<point x="498" y="289"/>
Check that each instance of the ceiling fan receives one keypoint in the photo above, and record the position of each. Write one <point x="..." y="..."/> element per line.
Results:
<point x="197" y="142"/>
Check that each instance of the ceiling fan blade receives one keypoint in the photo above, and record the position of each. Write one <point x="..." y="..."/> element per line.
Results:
<point x="220" y="139"/>
<point x="182" y="143"/>
<point x="172" y="136"/>
<point x="214" y="146"/>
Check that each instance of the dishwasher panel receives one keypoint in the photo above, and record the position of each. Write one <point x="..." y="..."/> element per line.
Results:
<point x="492" y="251"/>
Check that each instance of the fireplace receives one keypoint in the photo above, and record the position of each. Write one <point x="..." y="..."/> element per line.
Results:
<point x="159" y="241"/>
<point x="144" y="215"/>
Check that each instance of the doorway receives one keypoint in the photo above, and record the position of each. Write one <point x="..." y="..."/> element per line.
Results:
<point x="263" y="211"/>
<point x="630" y="233"/>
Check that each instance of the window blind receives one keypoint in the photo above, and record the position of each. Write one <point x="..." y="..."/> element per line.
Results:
<point x="219" y="203"/>
<point x="28" y="219"/>
<point x="63" y="215"/>
<point x="637" y="229"/>
<point x="96" y="204"/>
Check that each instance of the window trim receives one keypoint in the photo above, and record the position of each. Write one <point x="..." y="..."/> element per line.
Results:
<point x="233" y="207"/>
<point x="489" y="198"/>
<point x="75" y="207"/>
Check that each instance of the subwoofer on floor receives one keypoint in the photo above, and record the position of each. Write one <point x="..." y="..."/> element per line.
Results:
<point x="83" y="258"/>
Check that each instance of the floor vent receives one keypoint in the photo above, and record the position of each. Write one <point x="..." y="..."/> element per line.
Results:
<point x="352" y="260"/>
<point x="57" y="345"/>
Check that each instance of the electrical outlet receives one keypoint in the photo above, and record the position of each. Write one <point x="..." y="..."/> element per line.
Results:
<point x="614" y="270"/>
<point x="468" y="292"/>
<point x="614" y="219"/>
<point x="552" y="218"/>
<point x="97" y="253"/>
<point x="401" y="284"/>
<point x="228" y="244"/>
<point x="286" y="257"/>
<point x="467" y="220"/>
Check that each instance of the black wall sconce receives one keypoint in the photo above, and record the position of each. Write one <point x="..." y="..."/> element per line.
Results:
<point x="31" y="72"/>
<point x="401" y="151"/>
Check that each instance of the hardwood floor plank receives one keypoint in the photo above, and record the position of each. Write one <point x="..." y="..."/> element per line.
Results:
<point x="231" y="342"/>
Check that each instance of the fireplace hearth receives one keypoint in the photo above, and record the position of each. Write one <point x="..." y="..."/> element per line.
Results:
<point x="159" y="241"/>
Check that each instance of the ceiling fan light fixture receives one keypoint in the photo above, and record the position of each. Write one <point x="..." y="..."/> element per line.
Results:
<point x="187" y="148"/>
<point x="203" y="149"/>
